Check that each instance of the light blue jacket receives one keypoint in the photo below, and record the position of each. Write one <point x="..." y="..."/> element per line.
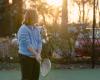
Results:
<point x="29" y="37"/>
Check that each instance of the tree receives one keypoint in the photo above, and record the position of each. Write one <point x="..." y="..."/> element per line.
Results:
<point x="46" y="10"/>
<point x="42" y="8"/>
<point x="11" y="17"/>
<point x="16" y="13"/>
<point x="4" y="18"/>
<point x="98" y="7"/>
<point x="81" y="3"/>
<point x="64" y="13"/>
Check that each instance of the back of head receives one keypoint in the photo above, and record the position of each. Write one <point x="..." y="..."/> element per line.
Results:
<point x="30" y="17"/>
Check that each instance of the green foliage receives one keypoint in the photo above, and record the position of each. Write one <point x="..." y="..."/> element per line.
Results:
<point x="59" y="39"/>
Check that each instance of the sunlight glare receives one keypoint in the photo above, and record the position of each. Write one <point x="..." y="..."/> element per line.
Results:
<point x="28" y="4"/>
<point x="54" y="2"/>
<point x="10" y="1"/>
<point x="73" y="12"/>
<point x="74" y="15"/>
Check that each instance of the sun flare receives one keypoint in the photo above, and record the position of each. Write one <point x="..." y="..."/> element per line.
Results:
<point x="74" y="15"/>
<point x="54" y="2"/>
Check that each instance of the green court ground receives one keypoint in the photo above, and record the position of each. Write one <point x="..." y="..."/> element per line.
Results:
<point x="57" y="74"/>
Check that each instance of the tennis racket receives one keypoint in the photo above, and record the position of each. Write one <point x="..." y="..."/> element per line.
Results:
<point x="45" y="67"/>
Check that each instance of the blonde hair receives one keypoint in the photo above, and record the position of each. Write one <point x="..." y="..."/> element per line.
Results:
<point x="30" y="17"/>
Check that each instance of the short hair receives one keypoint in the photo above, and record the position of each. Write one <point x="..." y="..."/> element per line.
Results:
<point x="30" y="17"/>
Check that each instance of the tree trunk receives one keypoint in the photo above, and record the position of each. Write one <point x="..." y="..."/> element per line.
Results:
<point x="79" y="14"/>
<point x="64" y="13"/>
<point x="83" y="10"/>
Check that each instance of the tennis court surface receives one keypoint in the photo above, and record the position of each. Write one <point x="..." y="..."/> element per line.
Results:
<point x="57" y="74"/>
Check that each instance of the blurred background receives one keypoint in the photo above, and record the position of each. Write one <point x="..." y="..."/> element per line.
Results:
<point x="68" y="24"/>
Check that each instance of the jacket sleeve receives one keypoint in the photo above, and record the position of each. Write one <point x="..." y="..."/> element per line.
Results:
<point x="24" y="38"/>
<point x="39" y="39"/>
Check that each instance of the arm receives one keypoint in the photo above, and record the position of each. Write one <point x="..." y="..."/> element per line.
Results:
<point x="38" y="56"/>
<point x="39" y="43"/>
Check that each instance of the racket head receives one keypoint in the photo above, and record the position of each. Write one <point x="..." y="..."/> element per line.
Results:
<point x="45" y="67"/>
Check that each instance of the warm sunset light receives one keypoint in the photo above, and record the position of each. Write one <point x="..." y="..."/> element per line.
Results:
<point x="73" y="10"/>
<point x="10" y="1"/>
<point x="28" y="4"/>
<point x="54" y="2"/>
<point x="73" y="15"/>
